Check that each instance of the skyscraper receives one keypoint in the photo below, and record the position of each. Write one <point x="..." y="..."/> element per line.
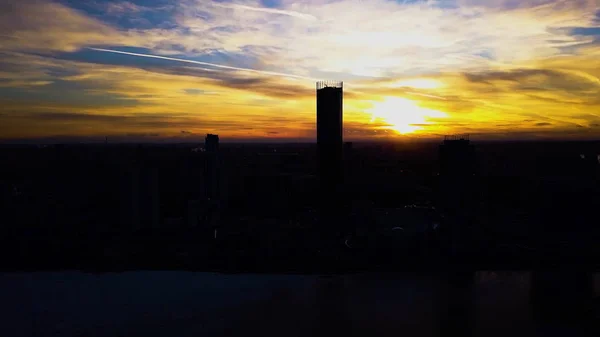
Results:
<point x="212" y="182"/>
<point x="457" y="184"/>
<point x="330" y="148"/>
<point x="457" y="158"/>
<point x="211" y="143"/>
<point x="211" y="168"/>
<point x="330" y="135"/>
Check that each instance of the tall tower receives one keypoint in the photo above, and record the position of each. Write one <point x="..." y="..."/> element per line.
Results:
<point x="457" y="186"/>
<point x="457" y="158"/>
<point x="330" y="144"/>
<point x="211" y="143"/>
<point x="212" y="182"/>
<point x="211" y="168"/>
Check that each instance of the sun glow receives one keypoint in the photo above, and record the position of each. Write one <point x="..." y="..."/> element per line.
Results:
<point x="403" y="115"/>
<point x="418" y="83"/>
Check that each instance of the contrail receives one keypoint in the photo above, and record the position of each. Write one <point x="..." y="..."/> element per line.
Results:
<point x="264" y="72"/>
<point x="270" y="10"/>
<point x="424" y="95"/>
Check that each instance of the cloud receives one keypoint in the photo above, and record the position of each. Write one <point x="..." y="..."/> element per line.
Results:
<point x="20" y="124"/>
<point x="294" y="14"/>
<point x="538" y="79"/>
<point x="43" y="26"/>
<point x="124" y="7"/>
<point x="200" y="63"/>
<point x="142" y="134"/>
<point x="543" y="124"/>
<point x="431" y="37"/>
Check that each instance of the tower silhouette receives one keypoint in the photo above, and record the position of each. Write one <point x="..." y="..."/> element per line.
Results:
<point x="330" y="146"/>
<point x="457" y="170"/>
<point x="212" y="169"/>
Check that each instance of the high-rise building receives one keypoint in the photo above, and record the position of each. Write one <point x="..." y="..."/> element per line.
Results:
<point x="330" y="135"/>
<point x="144" y="209"/>
<point x="211" y="143"/>
<point x="330" y="149"/>
<point x="457" y="157"/>
<point x="457" y="169"/>
<point x="211" y="169"/>
<point x="212" y="183"/>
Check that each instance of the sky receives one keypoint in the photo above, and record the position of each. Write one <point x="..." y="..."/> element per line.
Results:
<point x="412" y="69"/>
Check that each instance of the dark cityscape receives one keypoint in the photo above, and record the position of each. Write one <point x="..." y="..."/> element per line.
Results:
<point x="450" y="208"/>
<point x="299" y="168"/>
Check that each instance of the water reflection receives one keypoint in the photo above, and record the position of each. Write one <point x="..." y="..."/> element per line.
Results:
<point x="563" y="300"/>
<point x="396" y="304"/>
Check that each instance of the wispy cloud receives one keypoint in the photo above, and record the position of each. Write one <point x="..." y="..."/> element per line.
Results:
<point x="263" y="72"/>
<point x="294" y="14"/>
<point x="123" y="7"/>
<point x="43" y="26"/>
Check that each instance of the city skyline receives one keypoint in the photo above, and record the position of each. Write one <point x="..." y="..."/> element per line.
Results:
<point x="161" y="69"/>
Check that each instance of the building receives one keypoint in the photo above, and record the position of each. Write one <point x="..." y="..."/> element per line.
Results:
<point x="330" y="135"/>
<point x="211" y="167"/>
<point x="213" y="183"/>
<point x="457" y="170"/>
<point x="145" y="203"/>
<point x="330" y="149"/>
<point x="457" y="157"/>
<point x="348" y="147"/>
<point x="211" y="143"/>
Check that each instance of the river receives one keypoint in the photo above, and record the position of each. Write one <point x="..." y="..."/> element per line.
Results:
<point x="170" y="304"/>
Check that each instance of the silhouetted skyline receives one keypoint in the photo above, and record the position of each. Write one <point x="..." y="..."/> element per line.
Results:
<point x="168" y="168"/>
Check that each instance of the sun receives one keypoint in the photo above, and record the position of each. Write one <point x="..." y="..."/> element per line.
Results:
<point x="403" y="115"/>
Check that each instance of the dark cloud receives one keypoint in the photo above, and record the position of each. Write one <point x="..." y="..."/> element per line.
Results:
<point x="65" y="116"/>
<point x="543" y="124"/>
<point x="138" y="120"/>
<point x="194" y="91"/>
<point x="535" y="80"/>
<point x="513" y="75"/>
<point x="363" y="130"/>
<point x="550" y="99"/>
<point x="266" y="85"/>
<point x="142" y="134"/>
<point x="144" y="121"/>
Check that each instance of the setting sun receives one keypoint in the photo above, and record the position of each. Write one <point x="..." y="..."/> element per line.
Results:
<point x="403" y="115"/>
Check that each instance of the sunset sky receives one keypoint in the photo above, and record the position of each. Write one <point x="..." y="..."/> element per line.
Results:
<point x="166" y="69"/>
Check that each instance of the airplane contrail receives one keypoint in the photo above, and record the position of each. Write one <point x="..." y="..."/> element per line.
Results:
<point x="215" y="65"/>
<point x="269" y="10"/>
<point x="273" y="73"/>
<point x="425" y="95"/>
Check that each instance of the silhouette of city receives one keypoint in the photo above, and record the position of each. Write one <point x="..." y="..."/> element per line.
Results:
<point x="456" y="206"/>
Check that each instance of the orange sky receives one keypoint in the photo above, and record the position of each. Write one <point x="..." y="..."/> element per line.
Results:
<point x="161" y="69"/>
